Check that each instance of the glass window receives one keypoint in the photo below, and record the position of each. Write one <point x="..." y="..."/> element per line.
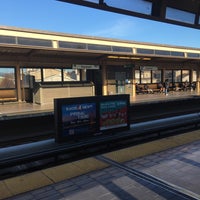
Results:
<point x="145" y="51"/>
<point x="146" y="76"/>
<point x="72" y="45"/>
<point x="137" y="76"/>
<point x="71" y="75"/>
<point x="93" y="1"/>
<point x="7" y="78"/>
<point x="194" y="75"/>
<point x="34" y="42"/>
<point x="185" y="75"/>
<point x="35" y="72"/>
<point x="177" y="53"/>
<point x="122" y="49"/>
<point x="180" y="15"/>
<point x="99" y="47"/>
<point x="168" y="75"/>
<point x="120" y="76"/>
<point x="52" y="74"/>
<point x="131" y="5"/>
<point x="193" y="55"/>
<point x="177" y="76"/>
<point x="162" y="52"/>
<point x="156" y="76"/>
<point x="7" y="39"/>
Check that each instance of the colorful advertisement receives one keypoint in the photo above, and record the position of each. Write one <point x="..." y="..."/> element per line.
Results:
<point x="82" y="117"/>
<point x="78" y="119"/>
<point x="113" y="114"/>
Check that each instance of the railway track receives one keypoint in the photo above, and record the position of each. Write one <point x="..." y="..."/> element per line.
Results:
<point x="42" y="154"/>
<point x="36" y="128"/>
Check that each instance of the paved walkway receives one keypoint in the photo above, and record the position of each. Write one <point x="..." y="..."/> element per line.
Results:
<point x="19" y="109"/>
<point x="176" y="166"/>
<point x="162" y="97"/>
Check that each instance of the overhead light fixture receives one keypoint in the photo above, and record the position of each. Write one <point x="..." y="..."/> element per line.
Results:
<point x="124" y="57"/>
<point x="146" y="58"/>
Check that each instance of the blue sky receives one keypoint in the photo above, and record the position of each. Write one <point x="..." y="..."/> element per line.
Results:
<point x="52" y="15"/>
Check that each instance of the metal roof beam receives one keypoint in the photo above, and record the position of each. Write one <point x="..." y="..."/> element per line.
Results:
<point x="158" y="10"/>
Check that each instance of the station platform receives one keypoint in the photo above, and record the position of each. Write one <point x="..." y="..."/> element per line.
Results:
<point x="22" y="109"/>
<point x="172" y="162"/>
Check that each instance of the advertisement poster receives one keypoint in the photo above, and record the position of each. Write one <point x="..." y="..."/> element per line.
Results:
<point x="113" y="114"/>
<point x="78" y="119"/>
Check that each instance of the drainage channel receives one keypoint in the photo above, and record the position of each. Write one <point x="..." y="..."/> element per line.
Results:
<point x="183" y="193"/>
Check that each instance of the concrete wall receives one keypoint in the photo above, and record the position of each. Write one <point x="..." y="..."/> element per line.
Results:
<point x="46" y="95"/>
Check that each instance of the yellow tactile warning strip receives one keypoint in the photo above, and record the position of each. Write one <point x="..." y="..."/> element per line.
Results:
<point x="27" y="182"/>
<point x="17" y="185"/>
<point x="153" y="147"/>
<point x="4" y="191"/>
<point x="73" y="169"/>
<point x="12" y="186"/>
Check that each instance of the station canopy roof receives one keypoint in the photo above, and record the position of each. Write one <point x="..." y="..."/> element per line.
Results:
<point x="34" y="47"/>
<point x="179" y="12"/>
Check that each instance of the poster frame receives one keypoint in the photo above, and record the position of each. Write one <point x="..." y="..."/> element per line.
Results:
<point x="96" y="128"/>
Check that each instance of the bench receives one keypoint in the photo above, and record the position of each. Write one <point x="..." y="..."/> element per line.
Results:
<point x="7" y="95"/>
<point x="153" y="87"/>
<point x="180" y="86"/>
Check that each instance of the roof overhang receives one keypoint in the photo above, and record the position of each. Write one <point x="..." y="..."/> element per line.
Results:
<point x="51" y="57"/>
<point x="179" y="12"/>
<point x="46" y="48"/>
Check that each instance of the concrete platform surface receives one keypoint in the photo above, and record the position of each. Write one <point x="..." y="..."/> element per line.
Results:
<point x="174" y="161"/>
<point x="15" y="110"/>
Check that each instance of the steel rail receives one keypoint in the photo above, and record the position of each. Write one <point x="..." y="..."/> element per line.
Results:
<point x="138" y="133"/>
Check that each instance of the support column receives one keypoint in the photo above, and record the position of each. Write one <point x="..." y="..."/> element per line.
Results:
<point x="83" y="75"/>
<point x="191" y="76"/>
<point x="133" y="83"/>
<point x="18" y="83"/>
<point x="198" y="81"/>
<point x="163" y="75"/>
<point x="104" y="81"/>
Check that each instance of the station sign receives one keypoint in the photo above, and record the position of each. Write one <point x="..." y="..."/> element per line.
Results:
<point x="148" y="68"/>
<point x="85" y="66"/>
<point x="82" y="117"/>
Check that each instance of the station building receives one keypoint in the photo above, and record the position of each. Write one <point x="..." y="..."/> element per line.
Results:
<point x="37" y="66"/>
